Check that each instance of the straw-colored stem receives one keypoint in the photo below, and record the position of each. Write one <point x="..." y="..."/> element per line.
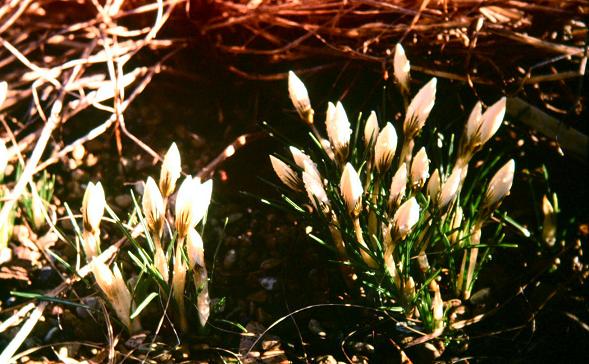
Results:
<point x="407" y="152"/>
<point x="178" y="284"/>
<point x="372" y="218"/>
<point x="363" y="247"/>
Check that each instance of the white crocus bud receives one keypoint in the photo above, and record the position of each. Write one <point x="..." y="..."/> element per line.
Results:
<point x="300" y="97"/>
<point x="401" y="67"/>
<point x="406" y="217"/>
<point x="192" y="202"/>
<point x="93" y="206"/>
<point x="153" y="207"/>
<point x="437" y="305"/>
<point x="473" y="124"/>
<point x="434" y="185"/>
<point x="419" y="168"/>
<point x="338" y="128"/>
<point x="450" y="188"/>
<point x="299" y="157"/>
<point x="285" y="173"/>
<point x="314" y="185"/>
<point x="116" y="291"/>
<point x="500" y="185"/>
<point x="195" y="249"/>
<point x="419" y="109"/>
<point x="550" y="220"/>
<point x="385" y="147"/>
<point x="170" y="172"/>
<point x="398" y="186"/>
<point x="3" y="92"/>
<point x="3" y="158"/>
<point x="351" y="187"/>
<point x="491" y="120"/>
<point x="371" y="129"/>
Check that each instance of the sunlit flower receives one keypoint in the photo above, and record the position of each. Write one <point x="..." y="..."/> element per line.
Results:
<point x="434" y="185"/>
<point x="285" y="173"/>
<point x="338" y="128"/>
<point x="500" y="185"/>
<point x="450" y="188"/>
<point x="170" y="172"/>
<point x="153" y="206"/>
<point x="550" y="220"/>
<point x="473" y="124"/>
<point x="300" y="97"/>
<point x="299" y="157"/>
<point x="371" y="129"/>
<point x="195" y="249"/>
<point x="401" y="67"/>
<point x="419" y="109"/>
<point x="398" y="186"/>
<point x="192" y="202"/>
<point x="419" y="168"/>
<point x="492" y="119"/>
<point x="406" y="217"/>
<point x="90" y="243"/>
<point x="93" y="206"/>
<point x="385" y="147"/>
<point x="351" y="187"/>
<point x="314" y="185"/>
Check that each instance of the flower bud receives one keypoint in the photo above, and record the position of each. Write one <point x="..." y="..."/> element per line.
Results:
<point x="195" y="249"/>
<point x="192" y="202"/>
<point x="401" y="67"/>
<point x="385" y="147"/>
<point x="153" y="207"/>
<point x="299" y="157"/>
<point x="351" y="187"/>
<point x="398" y="186"/>
<point x="419" y="109"/>
<point x="93" y="206"/>
<point x="434" y="185"/>
<point x="491" y="120"/>
<point x="371" y="129"/>
<point x="314" y="185"/>
<point x="419" y="168"/>
<point x="300" y="97"/>
<point x="285" y="173"/>
<point x="500" y="185"/>
<point x="338" y="128"/>
<point x="406" y="217"/>
<point x="450" y="188"/>
<point x="550" y="220"/>
<point x="170" y="172"/>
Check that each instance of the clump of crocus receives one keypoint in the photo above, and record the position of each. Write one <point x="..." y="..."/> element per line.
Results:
<point x="385" y="209"/>
<point x="191" y="204"/>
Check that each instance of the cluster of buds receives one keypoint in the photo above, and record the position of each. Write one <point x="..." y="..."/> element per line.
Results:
<point x="191" y="204"/>
<point x="393" y="189"/>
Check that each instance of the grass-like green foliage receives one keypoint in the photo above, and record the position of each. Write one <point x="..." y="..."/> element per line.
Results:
<point x="406" y="233"/>
<point x="34" y="205"/>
